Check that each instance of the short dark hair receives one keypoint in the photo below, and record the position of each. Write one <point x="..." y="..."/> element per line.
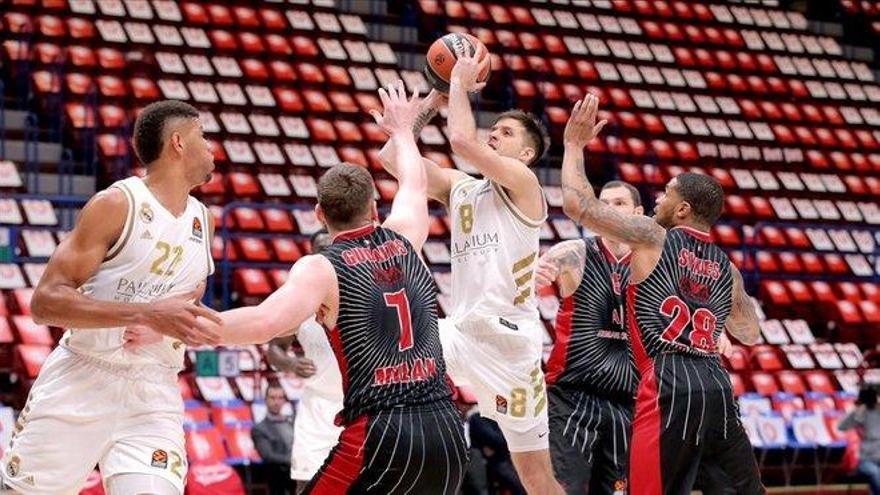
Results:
<point x="276" y="386"/>
<point x="344" y="193"/>
<point x="703" y="193"/>
<point x="636" y="196"/>
<point x="535" y="131"/>
<point x="317" y="243"/>
<point x="149" y="128"/>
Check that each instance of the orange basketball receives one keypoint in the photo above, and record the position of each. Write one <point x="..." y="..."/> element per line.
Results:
<point x="442" y="56"/>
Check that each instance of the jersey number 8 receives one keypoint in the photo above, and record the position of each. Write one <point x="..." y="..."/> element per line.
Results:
<point x="466" y="218"/>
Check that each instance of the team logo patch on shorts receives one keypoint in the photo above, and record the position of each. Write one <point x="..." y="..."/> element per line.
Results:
<point x="501" y="404"/>
<point x="160" y="459"/>
<point x="12" y="467"/>
<point x="620" y="487"/>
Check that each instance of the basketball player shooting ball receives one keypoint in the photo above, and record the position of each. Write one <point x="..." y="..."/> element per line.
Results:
<point x="138" y="256"/>
<point x="377" y="299"/>
<point x="683" y="292"/>
<point x="493" y="336"/>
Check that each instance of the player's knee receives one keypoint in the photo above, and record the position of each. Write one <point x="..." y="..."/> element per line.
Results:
<point x="140" y="484"/>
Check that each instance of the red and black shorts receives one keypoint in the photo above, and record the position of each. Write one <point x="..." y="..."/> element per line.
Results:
<point x="407" y="449"/>
<point x="686" y="414"/>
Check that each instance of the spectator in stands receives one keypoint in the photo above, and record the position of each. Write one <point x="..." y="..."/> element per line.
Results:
<point x="866" y="419"/>
<point x="273" y="438"/>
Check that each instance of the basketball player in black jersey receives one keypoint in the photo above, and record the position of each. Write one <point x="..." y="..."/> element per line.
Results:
<point x="377" y="299"/>
<point x="590" y="374"/>
<point x="683" y="293"/>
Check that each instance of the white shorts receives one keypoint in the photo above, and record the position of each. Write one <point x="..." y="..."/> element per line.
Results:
<point x="314" y="434"/>
<point x="501" y="360"/>
<point x="82" y="412"/>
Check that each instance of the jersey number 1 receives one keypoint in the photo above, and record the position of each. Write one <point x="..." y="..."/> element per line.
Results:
<point x="702" y="323"/>
<point x="400" y="303"/>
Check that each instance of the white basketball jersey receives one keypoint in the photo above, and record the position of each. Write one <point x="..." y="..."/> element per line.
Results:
<point x="157" y="256"/>
<point x="494" y="253"/>
<point x="327" y="380"/>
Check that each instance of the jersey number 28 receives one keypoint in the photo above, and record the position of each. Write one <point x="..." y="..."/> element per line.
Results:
<point x="702" y="324"/>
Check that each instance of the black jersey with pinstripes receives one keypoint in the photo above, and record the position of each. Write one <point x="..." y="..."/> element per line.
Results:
<point x="682" y="306"/>
<point x="385" y="340"/>
<point x="592" y="349"/>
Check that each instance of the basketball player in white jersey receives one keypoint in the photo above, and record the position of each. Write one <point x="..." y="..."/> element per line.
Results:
<point x="493" y="337"/>
<point x="314" y="432"/>
<point x="139" y="255"/>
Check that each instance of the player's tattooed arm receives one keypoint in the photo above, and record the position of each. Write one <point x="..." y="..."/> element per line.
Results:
<point x="563" y="264"/>
<point x="579" y="200"/>
<point x="440" y="180"/>
<point x="743" y="320"/>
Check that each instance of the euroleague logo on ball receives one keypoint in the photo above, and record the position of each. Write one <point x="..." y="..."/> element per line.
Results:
<point x="439" y="59"/>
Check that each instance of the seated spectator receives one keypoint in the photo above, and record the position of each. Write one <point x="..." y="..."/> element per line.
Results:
<point x="865" y="418"/>
<point x="273" y="439"/>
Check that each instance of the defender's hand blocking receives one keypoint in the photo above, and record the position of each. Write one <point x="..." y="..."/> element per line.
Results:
<point x="546" y="273"/>
<point x="398" y="113"/>
<point x="183" y="321"/>
<point x="468" y="68"/>
<point x="582" y="126"/>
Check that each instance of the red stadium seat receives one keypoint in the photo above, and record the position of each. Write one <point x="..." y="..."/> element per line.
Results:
<point x="29" y="358"/>
<point x="204" y="445"/>
<point x="252" y="282"/>
<point x="240" y="445"/>
<point x="286" y="250"/>
<point x="277" y="220"/>
<point x="791" y="382"/>
<point x="764" y="383"/>
<point x="248" y="219"/>
<point x="765" y="358"/>
<point x="819" y="381"/>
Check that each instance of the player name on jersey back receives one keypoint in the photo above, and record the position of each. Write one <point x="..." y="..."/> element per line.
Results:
<point x="385" y="339"/>
<point x="156" y="256"/>
<point x="683" y="304"/>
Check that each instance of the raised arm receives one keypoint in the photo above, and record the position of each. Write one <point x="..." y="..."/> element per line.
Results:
<point x="563" y="264"/>
<point x="310" y="283"/>
<point x="58" y="302"/>
<point x="511" y="173"/>
<point x="409" y="210"/>
<point x="579" y="200"/>
<point x="742" y="322"/>
<point x="440" y="180"/>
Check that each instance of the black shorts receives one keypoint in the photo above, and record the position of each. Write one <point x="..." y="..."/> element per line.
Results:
<point x="589" y="441"/>
<point x="413" y="449"/>
<point x="685" y="413"/>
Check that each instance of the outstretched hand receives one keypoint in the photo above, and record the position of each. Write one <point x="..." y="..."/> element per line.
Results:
<point x="468" y="68"/>
<point x="398" y="113"/>
<point x="582" y="126"/>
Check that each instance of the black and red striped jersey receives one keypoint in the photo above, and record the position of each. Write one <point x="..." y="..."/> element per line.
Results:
<point x="592" y="349"/>
<point x="386" y="339"/>
<point x="681" y="307"/>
